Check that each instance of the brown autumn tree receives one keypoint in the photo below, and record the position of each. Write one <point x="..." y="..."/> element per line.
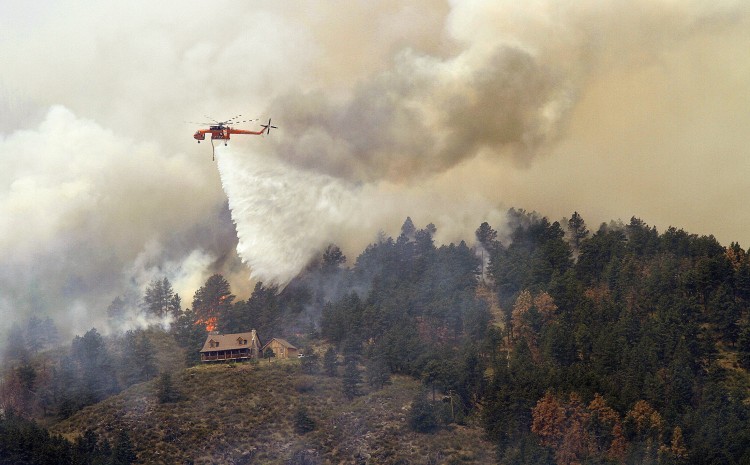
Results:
<point x="677" y="446"/>
<point x="529" y="314"/>
<point x="546" y="306"/>
<point x="606" y="430"/>
<point x="576" y="432"/>
<point x="646" y="425"/>
<point x="646" y="421"/>
<point x="548" y="420"/>
<point x="676" y="452"/>
<point x="563" y="427"/>
<point x="735" y="255"/>
<point x="576" y="444"/>
<point x="523" y="304"/>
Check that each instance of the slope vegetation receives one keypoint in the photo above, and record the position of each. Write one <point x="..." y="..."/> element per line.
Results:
<point x="246" y="414"/>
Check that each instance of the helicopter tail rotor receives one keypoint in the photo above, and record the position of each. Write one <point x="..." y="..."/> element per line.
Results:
<point x="269" y="126"/>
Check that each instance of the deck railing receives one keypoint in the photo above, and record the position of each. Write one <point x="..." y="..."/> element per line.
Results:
<point x="225" y="355"/>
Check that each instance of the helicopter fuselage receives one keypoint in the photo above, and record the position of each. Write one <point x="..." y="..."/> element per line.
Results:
<point x="222" y="133"/>
<point x="217" y="132"/>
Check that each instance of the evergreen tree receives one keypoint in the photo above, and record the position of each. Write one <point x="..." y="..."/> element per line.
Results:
<point x="165" y="389"/>
<point x="269" y="354"/>
<point x="129" y="365"/>
<point x="577" y="230"/>
<point x="407" y="230"/>
<point x="24" y="442"/>
<point x="309" y="362"/>
<point x="422" y="418"/>
<point x="90" y="450"/>
<point x="175" y="306"/>
<point x="67" y="389"/>
<point x="190" y="334"/>
<point x="122" y="450"/>
<point x="330" y="362"/>
<point x="486" y="236"/>
<point x="302" y="422"/>
<point x="743" y="345"/>
<point x="352" y="379"/>
<point x="146" y="353"/>
<point x="96" y="366"/>
<point x="212" y="302"/>
<point x="333" y="258"/>
<point x="158" y="299"/>
<point x="377" y="372"/>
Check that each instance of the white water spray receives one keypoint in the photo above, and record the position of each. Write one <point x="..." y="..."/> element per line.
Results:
<point x="284" y="216"/>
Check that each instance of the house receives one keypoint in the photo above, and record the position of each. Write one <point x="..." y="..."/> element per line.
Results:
<point x="231" y="347"/>
<point x="281" y="348"/>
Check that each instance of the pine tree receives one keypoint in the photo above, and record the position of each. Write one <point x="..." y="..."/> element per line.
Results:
<point x="212" y="302"/>
<point x="159" y="298"/>
<point x="352" y="379"/>
<point x="175" y="306"/>
<point x="330" y="362"/>
<point x="190" y="334"/>
<point x="302" y="422"/>
<point x="309" y="362"/>
<point x="96" y="365"/>
<point x="166" y="391"/>
<point x="138" y="359"/>
<point x="333" y="258"/>
<point x="377" y="372"/>
<point x="122" y="451"/>
<point x="577" y="230"/>
<point x="146" y="353"/>
<point x="422" y="417"/>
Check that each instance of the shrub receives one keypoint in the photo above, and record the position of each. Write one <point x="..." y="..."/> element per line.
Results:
<point x="166" y="392"/>
<point x="422" y="417"/>
<point x="302" y="421"/>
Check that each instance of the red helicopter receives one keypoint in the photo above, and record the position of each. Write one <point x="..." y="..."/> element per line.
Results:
<point x="222" y="130"/>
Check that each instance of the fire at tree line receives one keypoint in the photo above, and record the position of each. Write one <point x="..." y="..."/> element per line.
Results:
<point x="622" y="345"/>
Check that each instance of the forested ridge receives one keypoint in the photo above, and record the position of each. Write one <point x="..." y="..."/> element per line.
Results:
<point x="620" y="345"/>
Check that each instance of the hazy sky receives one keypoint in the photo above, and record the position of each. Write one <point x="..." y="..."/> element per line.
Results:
<point x="448" y="111"/>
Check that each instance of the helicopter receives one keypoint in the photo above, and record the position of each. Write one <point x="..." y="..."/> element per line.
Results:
<point x="223" y="130"/>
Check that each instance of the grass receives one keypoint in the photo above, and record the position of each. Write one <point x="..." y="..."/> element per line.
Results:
<point x="244" y="413"/>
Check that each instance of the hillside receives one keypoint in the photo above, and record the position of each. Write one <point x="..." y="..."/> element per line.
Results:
<point x="625" y="345"/>
<point x="245" y="414"/>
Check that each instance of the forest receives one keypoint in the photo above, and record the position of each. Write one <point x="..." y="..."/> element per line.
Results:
<point x="568" y="346"/>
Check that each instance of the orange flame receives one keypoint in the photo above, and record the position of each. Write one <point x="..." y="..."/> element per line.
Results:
<point x="210" y="323"/>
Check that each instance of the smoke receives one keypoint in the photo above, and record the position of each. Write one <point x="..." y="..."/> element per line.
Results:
<point x="88" y="215"/>
<point x="426" y="115"/>
<point x="503" y="85"/>
<point x="446" y="111"/>
<point x="498" y="95"/>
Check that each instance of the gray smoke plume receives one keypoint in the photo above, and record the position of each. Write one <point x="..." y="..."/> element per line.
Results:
<point x="425" y="116"/>
<point x="498" y="94"/>
<point x="446" y="111"/>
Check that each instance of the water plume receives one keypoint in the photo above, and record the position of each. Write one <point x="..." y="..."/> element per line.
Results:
<point x="284" y="216"/>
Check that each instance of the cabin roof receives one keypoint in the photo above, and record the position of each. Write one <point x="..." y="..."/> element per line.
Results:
<point x="231" y="341"/>
<point x="283" y="342"/>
